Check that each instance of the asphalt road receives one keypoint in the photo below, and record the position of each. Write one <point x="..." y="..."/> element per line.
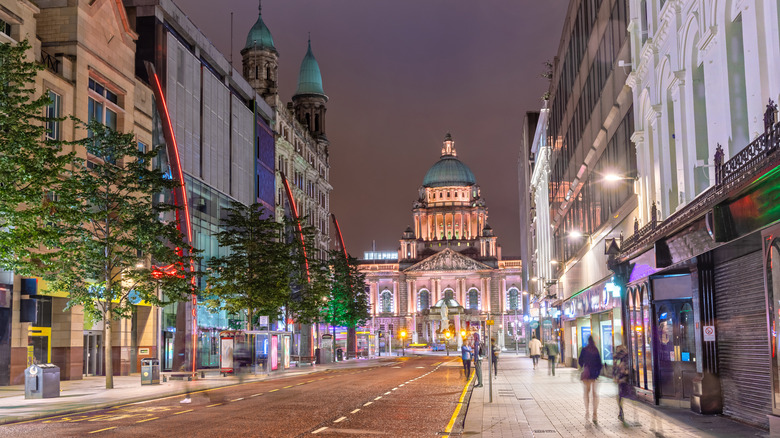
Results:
<point x="411" y="397"/>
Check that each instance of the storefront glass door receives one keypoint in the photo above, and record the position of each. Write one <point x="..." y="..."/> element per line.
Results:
<point x="676" y="348"/>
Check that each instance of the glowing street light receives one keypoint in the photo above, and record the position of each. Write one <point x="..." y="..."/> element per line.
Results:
<point x="447" y="343"/>
<point x="402" y="333"/>
<point x="612" y="177"/>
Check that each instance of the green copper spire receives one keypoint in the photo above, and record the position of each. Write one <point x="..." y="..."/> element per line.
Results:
<point x="259" y="35"/>
<point x="310" y="78"/>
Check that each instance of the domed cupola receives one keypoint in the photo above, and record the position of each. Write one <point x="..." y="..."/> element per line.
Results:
<point x="309" y="99"/>
<point x="259" y="36"/>
<point x="309" y="78"/>
<point x="260" y="60"/>
<point x="449" y="171"/>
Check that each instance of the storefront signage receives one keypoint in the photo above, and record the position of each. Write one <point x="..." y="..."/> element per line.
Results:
<point x="535" y="324"/>
<point x="709" y="333"/>
<point x="592" y="300"/>
<point x="143" y="351"/>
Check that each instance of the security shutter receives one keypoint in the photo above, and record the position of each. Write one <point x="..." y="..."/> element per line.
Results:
<point x="743" y="345"/>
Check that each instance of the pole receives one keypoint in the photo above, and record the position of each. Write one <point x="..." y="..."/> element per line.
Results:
<point x="517" y="338"/>
<point x="490" y="365"/>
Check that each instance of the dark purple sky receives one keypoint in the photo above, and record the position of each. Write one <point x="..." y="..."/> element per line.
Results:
<point x="400" y="74"/>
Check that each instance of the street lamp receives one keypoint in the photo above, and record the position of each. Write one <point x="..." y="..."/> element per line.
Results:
<point x="447" y="342"/>
<point x="403" y="342"/>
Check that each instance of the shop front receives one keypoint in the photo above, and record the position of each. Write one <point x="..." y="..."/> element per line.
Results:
<point x="594" y="312"/>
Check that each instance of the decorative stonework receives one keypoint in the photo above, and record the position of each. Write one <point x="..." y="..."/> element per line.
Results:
<point x="448" y="260"/>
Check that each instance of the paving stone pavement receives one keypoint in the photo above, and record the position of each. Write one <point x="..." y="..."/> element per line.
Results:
<point x="531" y="403"/>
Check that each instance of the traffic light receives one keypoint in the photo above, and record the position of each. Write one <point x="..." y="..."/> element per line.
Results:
<point x="380" y="334"/>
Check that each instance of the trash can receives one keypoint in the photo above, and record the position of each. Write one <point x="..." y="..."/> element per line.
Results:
<point x="339" y="354"/>
<point x="42" y="381"/>
<point x="150" y="371"/>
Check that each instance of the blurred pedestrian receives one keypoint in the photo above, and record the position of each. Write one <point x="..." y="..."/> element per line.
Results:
<point x="590" y="361"/>
<point x="535" y="350"/>
<point x="478" y="362"/>
<point x="551" y="350"/>
<point x="494" y="352"/>
<point x="620" y="375"/>
<point x="465" y="356"/>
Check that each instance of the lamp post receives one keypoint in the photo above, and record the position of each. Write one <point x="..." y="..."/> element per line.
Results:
<point x="403" y="342"/>
<point x="447" y="342"/>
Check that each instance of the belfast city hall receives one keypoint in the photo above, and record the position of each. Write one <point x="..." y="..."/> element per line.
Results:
<point x="449" y="275"/>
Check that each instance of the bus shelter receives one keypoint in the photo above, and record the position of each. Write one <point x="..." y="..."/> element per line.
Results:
<point x="268" y="351"/>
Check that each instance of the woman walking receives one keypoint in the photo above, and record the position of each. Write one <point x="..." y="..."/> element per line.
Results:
<point x="590" y="361"/>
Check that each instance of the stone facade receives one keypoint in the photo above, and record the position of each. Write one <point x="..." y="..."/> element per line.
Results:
<point x="450" y="273"/>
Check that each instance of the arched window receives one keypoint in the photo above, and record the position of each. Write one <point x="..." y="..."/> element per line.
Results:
<point x="386" y="301"/>
<point x="513" y="299"/>
<point x="268" y="72"/>
<point x="423" y="300"/>
<point x="473" y="299"/>
<point x="449" y="294"/>
<point x="316" y="123"/>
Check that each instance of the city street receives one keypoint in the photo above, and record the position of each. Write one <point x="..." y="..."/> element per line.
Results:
<point x="408" y="397"/>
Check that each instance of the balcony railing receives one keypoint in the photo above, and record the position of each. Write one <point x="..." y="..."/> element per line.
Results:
<point x="744" y="166"/>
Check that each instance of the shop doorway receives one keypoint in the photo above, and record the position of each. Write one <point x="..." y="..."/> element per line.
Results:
<point x="93" y="353"/>
<point x="676" y="349"/>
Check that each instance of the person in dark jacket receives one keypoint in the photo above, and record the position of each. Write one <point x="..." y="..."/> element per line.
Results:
<point x="620" y="373"/>
<point x="590" y="362"/>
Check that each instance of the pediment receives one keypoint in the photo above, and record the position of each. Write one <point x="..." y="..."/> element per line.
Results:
<point x="448" y="260"/>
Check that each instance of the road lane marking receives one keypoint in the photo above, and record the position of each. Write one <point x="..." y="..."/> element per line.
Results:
<point x="402" y="384"/>
<point x="255" y="395"/>
<point x="237" y="399"/>
<point x="355" y="411"/>
<point x="340" y="420"/>
<point x="215" y="404"/>
<point x="148" y="419"/>
<point x="388" y="392"/>
<point x="102" y="430"/>
<point x="366" y="404"/>
<point x="183" y="412"/>
<point x="288" y="386"/>
<point x="448" y="429"/>
<point x="274" y="390"/>
<point x="395" y="389"/>
<point x="319" y="430"/>
<point x="378" y="398"/>
<point x="309" y="381"/>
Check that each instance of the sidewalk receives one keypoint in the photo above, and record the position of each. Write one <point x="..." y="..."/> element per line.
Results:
<point x="529" y="403"/>
<point x="90" y="393"/>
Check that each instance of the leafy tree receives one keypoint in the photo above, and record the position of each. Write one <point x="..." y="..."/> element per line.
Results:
<point x="109" y="229"/>
<point x="30" y="163"/>
<point x="311" y="279"/>
<point x="348" y="303"/>
<point x="255" y="274"/>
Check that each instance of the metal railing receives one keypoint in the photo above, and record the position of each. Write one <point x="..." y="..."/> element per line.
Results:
<point x="744" y="166"/>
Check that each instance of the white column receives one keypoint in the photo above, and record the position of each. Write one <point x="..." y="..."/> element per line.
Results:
<point x="396" y="298"/>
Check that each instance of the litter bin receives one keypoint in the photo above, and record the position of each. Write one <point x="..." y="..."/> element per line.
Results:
<point x="339" y="354"/>
<point x="42" y="381"/>
<point x="150" y="371"/>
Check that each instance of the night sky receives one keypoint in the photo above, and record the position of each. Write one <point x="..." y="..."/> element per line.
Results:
<point x="400" y="74"/>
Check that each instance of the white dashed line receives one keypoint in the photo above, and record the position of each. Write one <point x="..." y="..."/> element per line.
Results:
<point x="238" y="399"/>
<point x="319" y="430"/>
<point x="355" y="411"/>
<point x="340" y="420"/>
<point x="388" y="392"/>
<point x="395" y="389"/>
<point x="366" y="404"/>
<point x="255" y="395"/>
<point x="378" y="398"/>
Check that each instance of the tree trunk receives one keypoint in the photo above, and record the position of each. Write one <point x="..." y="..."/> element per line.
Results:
<point x="108" y="353"/>
<point x="250" y="315"/>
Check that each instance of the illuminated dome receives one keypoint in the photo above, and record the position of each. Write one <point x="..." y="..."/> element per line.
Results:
<point x="449" y="171"/>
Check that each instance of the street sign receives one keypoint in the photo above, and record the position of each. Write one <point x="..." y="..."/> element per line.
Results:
<point x="709" y="333"/>
<point x="262" y="320"/>
<point x="489" y="322"/>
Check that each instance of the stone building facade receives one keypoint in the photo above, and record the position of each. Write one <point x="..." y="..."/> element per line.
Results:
<point x="301" y="143"/>
<point x="450" y="274"/>
<point x="88" y="49"/>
